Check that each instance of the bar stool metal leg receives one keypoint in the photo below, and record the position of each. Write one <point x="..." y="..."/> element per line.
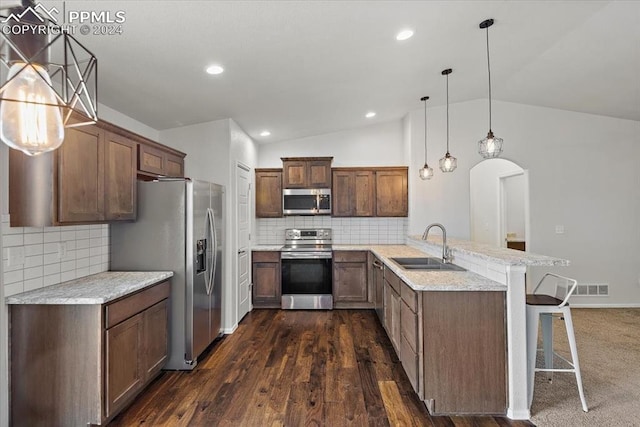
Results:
<point x="547" y="342"/>
<point x="574" y="356"/>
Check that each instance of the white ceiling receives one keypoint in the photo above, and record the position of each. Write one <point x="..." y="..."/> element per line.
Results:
<point x="301" y="68"/>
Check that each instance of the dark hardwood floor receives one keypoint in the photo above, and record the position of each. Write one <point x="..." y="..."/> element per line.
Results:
<point x="294" y="368"/>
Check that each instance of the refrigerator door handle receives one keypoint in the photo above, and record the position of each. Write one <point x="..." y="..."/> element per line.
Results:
<point x="214" y="252"/>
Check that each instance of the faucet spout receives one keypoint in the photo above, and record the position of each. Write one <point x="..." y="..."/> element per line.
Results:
<point x="445" y="250"/>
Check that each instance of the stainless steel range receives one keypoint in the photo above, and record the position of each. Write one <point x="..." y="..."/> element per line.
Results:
<point x="306" y="269"/>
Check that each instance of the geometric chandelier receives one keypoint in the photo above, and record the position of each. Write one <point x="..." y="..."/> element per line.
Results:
<point x="49" y="80"/>
<point x="491" y="146"/>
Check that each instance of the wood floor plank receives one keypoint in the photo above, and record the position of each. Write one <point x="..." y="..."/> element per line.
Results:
<point x="294" y="368"/>
<point x="397" y="412"/>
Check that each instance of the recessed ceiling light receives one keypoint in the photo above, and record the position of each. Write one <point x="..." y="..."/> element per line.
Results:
<point x="404" y="34"/>
<point x="265" y="133"/>
<point x="370" y="114"/>
<point x="215" y="69"/>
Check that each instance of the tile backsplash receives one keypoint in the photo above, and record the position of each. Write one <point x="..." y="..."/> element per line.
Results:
<point x="346" y="231"/>
<point x="35" y="257"/>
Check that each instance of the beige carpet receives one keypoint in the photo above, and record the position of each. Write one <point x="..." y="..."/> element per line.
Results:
<point x="609" y="349"/>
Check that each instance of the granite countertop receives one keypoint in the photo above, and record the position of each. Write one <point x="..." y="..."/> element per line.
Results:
<point x="266" y="247"/>
<point x="489" y="253"/>
<point x="98" y="288"/>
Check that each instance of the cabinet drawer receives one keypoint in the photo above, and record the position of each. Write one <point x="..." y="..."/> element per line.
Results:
<point x="409" y="325"/>
<point x="120" y="310"/>
<point x="409" y="362"/>
<point x="349" y="256"/>
<point x="392" y="279"/>
<point x="265" y="256"/>
<point x="409" y="296"/>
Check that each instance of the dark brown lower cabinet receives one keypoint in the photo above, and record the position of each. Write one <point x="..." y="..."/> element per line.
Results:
<point x="464" y="352"/>
<point x="81" y="364"/>
<point x="350" y="284"/>
<point x="266" y="279"/>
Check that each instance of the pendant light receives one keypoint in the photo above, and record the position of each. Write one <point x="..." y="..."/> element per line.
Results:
<point x="426" y="172"/>
<point x="491" y="146"/>
<point x="51" y="81"/>
<point x="448" y="163"/>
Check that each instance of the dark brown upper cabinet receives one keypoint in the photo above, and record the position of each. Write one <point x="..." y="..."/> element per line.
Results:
<point x="268" y="193"/>
<point x="306" y="172"/>
<point x="365" y="192"/>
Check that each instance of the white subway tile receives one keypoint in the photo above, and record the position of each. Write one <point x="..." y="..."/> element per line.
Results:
<point x="52" y="279"/>
<point x="47" y="229"/>
<point x="95" y="242"/>
<point x="33" y="250"/>
<point x="51" y="269"/>
<point x="95" y="268"/>
<point x="13" y="276"/>
<point x="95" y="260"/>
<point x="82" y="253"/>
<point x="82" y="263"/>
<point x="95" y="251"/>
<point x="5" y="217"/>
<point x="50" y="248"/>
<point x="70" y="245"/>
<point x="83" y="234"/>
<point x="51" y="236"/>
<point x="8" y="267"/>
<point x="36" y="283"/>
<point x="67" y="275"/>
<point x="7" y="230"/>
<point x="13" y="240"/>
<point x="69" y="256"/>
<point x="67" y="235"/>
<point x="67" y="266"/>
<point x="5" y="253"/>
<point x="95" y="232"/>
<point x="33" y="238"/>
<point x="32" y="273"/>
<point x="13" y="289"/>
<point x="50" y="259"/>
<point x="82" y="243"/>
<point x="81" y="272"/>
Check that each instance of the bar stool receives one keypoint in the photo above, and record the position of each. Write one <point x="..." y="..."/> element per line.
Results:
<point x="545" y="308"/>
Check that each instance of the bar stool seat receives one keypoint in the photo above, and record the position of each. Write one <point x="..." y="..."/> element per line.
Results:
<point x="543" y="308"/>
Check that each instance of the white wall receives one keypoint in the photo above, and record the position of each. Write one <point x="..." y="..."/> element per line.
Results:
<point x="376" y="145"/>
<point x="583" y="174"/>
<point x="112" y="116"/>
<point x="515" y="206"/>
<point x="485" y="199"/>
<point x="212" y="149"/>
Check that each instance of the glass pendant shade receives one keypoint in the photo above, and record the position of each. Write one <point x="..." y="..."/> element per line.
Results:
<point x="51" y="81"/>
<point x="32" y="121"/>
<point x="448" y="163"/>
<point x="426" y="172"/>
<point x="490" y="147"/>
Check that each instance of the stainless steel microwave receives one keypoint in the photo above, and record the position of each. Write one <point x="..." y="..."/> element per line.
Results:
<point x="306" y="201"/>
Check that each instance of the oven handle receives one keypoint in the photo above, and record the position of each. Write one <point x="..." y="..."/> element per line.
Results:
<point x="305" y="255"/>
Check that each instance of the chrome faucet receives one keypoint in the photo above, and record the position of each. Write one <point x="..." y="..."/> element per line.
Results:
<point x="446" y="253"/>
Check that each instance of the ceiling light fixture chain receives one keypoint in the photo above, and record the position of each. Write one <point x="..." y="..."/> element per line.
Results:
<point x="448" y="163"/>
<point x="491" y="146"/>
<point x="425" y="172"/>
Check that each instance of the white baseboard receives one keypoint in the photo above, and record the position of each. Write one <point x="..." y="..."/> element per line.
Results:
<point x="625" y="305"/>
<point x="228" y="331"/>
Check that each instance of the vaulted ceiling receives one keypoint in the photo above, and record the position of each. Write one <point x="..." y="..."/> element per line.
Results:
<point x="301" y="68"/>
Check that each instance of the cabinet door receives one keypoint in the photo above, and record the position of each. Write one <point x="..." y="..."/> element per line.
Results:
<point x="386" y="301"/>
<point x="174" y="165"/>
<point x="150" y="160"/>
<point x="364" y="193"/>
<point x="295" y="174"/>
<point x="350" y="281"/>
<point x="124" y="350"/>
<point x="319" y="174"/>
<point x="81" y="176"/>
<point x="391" y="193"/>
<point x="396" y="331"/>
<point x="342" y="194"/>
<point x="266" y="279"/>
<point x="269" y="194"/>
<point x="120" y="177"/>
<point x="155" y="338"/>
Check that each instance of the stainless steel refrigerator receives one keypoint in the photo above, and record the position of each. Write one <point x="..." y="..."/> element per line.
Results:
<point x="179" y="228"/>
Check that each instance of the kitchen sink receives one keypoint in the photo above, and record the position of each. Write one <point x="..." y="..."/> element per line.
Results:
<point x="425" y="263"/>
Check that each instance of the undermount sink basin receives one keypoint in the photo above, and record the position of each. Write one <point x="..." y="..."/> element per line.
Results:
<point x="425" y="263"/>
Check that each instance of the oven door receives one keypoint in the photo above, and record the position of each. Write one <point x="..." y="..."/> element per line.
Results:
<point x="306" y="281"/>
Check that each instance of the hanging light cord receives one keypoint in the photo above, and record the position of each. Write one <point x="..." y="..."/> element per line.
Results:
<point x="425" y="131"/>
<point x="489" y="70"/>
<point x="447" y="113"/>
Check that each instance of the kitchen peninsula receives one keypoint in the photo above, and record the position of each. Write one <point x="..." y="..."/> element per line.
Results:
<point x="490" y="295"/>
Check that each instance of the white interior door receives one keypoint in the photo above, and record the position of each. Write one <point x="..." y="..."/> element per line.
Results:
<point x="513" y="208"/>
<point x="243" y="230"/>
